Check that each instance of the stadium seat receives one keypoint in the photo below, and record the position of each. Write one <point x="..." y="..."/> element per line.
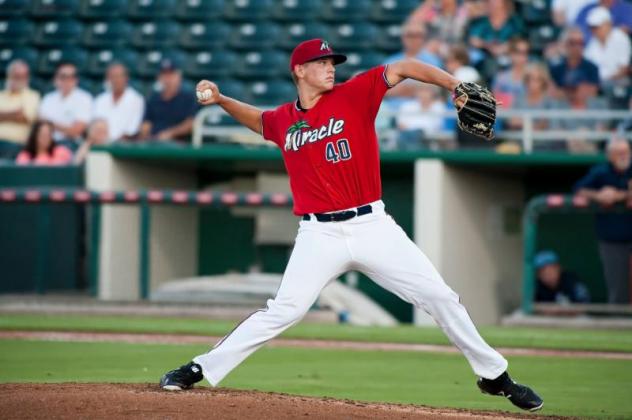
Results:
<point x="58" y="33"/>
<point x="204" y="35"/>
<point x="9" y="8"/>
<point x="155" y="34"/>
<point x="271" y="92"/>
<point x="54" y="9"/>
<point x="248" y="10"/>
<point x="14" y="32"/>
<point x="149" y="61"/>
<point x="295" y="33"/>
<point x="101" y="59"/>
<point x="254" y="36"/>
<point x="543" y="35"/>
<point x="210" y="64"/>
<point x="358" y="35"/>
<point x="8" y="54"/>
<point x="233" y="88"/>
<point x="260" y="65"/>
<point x="297" y="10"/>
<point x="106" y="34"/>
<point x="150" y="9"/>
<point x="536" y="12"/>
<point x="392" y="11"/>
<point x="49" y="60"/>
<point x="199" y="10"/>
<point x="358" y="62"/>
<point x="345" y="10"/>
<point x="389" y="39"/>
<point x="102" y="9"/>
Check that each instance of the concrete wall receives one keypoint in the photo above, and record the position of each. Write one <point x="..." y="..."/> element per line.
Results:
<point x="467" y="223"/>
<point x="174" y="230"/>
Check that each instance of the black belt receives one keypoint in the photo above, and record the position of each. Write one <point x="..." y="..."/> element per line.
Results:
<point x="340" y="216"/>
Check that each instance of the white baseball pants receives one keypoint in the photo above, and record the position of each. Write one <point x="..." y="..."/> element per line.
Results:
<point x="372" y="244"/>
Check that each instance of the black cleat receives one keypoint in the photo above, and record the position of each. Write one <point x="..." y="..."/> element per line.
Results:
<point x="182" y="378"/>
<point x="520" y="395"/>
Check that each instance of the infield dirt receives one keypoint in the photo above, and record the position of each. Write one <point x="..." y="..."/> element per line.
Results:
<point x="147" y="401"/>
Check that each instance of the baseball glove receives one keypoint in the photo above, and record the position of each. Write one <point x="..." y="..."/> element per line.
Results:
<point x="476" y="108"/>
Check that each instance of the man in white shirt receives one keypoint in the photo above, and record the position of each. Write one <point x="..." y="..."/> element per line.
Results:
<point x="69" y="107"/>
<point x="609" y="48"/>
<point x="120" y="105"/>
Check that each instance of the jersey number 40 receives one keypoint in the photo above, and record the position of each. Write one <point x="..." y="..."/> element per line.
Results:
<point x="335" y="152"/>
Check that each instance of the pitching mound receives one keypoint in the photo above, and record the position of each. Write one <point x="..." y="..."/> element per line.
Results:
<point x="144" y="401"/>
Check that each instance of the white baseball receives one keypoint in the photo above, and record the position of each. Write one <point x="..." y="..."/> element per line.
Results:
<point x="204" y="95"/>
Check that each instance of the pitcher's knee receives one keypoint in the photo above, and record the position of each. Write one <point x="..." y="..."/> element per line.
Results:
<point x="441" y="294"/>
<point x="289" y="312"/>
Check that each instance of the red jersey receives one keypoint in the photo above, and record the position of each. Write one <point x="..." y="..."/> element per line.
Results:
<point x="331" y="151"/>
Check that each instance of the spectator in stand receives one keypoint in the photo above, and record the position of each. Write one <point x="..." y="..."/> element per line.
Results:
<point x="620" y="10"/>
<point x="121" y="106"/>
<point x="418" y="119"/>
<point x="18" y="109"/>
<point x="457" y="63"/>
<point x="573" y="69"/>
<point x="68" y="107"/>
<point x="169" y="113"/>
<point x="509" y="84"/>
<point x="493" y="32"/>
<point x="445" y="19"/>
<point x="537" y="82"/>
<point x="565" y="11"/>
<point x="40" y="148"/>
<point x="609" y="48"/>
<point x="98" y="134"/>
<point x="607" y="184"/>
<point x="556" y="285"/>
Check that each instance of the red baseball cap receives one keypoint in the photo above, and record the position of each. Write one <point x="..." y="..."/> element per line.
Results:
<point x="313" y="50"/>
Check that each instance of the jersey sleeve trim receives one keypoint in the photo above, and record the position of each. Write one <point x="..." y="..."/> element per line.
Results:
<point x="385" y="79"/>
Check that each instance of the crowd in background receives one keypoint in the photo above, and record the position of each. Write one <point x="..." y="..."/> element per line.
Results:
<point x="585" y="67"/>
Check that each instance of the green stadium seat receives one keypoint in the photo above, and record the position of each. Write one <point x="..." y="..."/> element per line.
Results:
<point x="248" y="10"/>
<point x="102" y="9"/>
<point x="49" y="60"/>
<point x="9" y="8"/>
<point x="271" y="92"/>
<point x="8" y="54"/>
<point x="15" y="32"/>
<point x="392" y="11"/>
<point x="204" y="35"/>
<point x="199" y="10"/>
<point x="106" y="34"/>
<point x="354" y="35"/>
<point x="541" y="36"/>
<point x="210" y="64"/>
<point x="254" y="36"/>
<point x="56" y="33"/>
<point x="150" y="9"/>
<point x="98" y="61"/>
<point x="358" y="62"/>
<point x="232" y="88"/>
<point x="54" y="9"/>
<point x="295" y="33"/>
<point x="345" y="10"/>
<point x="536" y="12"/>
<point x="149" y="61"/>
<point x="144" y="87"/>
<point x="258" y="65"/>
<point x="389" y="38"/>
<point x="155" y="34"/>
<point x="38" y="84"/>
<point x="297" y="10"/>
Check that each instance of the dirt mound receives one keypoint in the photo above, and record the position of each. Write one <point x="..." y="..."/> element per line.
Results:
<point x="145" y="401"/>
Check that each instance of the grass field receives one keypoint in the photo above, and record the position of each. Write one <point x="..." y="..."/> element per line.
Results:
<point x="583" y="387"/>
<point x="546" y="338"/>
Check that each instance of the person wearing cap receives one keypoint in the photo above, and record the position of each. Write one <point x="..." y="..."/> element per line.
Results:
<point x="607" y="184"/>
<point x="169" y="113"/>
<point x="620" y="11"/>
<point x="609" y="47"/>
<point x="330" y="149"/>
<point x="556" y="285"/>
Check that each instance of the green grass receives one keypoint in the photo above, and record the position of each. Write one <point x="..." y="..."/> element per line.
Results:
<point x="586" y="387"/>
<point x="549" y="338"/>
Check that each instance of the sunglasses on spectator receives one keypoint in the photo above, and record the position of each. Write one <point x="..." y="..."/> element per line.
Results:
<point x="575" y="42"/>
<point x="521" y="51"/>
<point x="67" y="75"/>
<point x="414" y="35"/>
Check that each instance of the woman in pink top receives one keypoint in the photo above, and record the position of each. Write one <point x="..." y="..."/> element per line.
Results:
<point x="40" y="148"/>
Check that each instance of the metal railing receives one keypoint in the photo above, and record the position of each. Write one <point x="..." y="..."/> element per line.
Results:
<point x="527" y="136"/>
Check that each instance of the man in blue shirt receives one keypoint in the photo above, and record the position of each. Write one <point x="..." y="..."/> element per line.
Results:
<point x="556" y="285"/>
<point x="574" y="70"/>
<point x="608" y="184"/>
<point x="169" y="113"/>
